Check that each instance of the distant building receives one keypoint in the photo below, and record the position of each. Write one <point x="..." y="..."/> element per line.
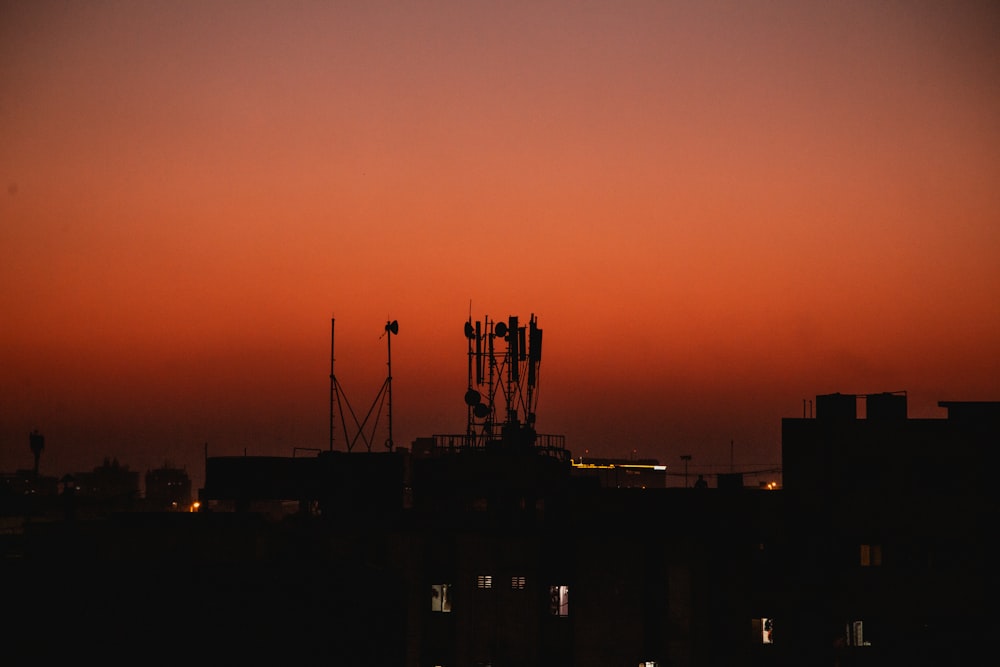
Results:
<point x="623" y="473"/>
<point x="27" y="483"/>
<point x="168" y="488"/>
<point x="108" y="487"/>
<point x="26" y="493"/>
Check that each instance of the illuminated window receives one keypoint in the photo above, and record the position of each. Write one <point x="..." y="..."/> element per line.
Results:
<point x="517" y="583"/>
<point x="559" y="600"/>
<point x="649" y="663"/>
<point x="484" y="581"/>
<point x="763" y="630"/>
<point x="441" y="597"/>
<point x="856" y="634"/>
<point x="871" y="555"/>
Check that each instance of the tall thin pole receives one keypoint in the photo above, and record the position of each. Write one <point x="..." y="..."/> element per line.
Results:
<point x="391" y="329"/>
<point x="333" y="383"/>
<point x="389" y="364"/>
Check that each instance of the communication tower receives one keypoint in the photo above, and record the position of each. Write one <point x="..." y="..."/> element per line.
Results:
<point x="502" y="396"/>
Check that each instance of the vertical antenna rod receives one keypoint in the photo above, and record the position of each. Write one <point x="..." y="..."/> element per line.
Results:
<point x="333" y="383"/>
<point x="392" y="328"/>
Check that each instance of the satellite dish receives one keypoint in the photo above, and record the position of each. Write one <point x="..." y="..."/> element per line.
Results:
<point x="481" y="410"/>
<point x="392" y="327"/>
<point x="472" y="397"/>
<point x="500" y="329"/>
<point x="470" y="332"/>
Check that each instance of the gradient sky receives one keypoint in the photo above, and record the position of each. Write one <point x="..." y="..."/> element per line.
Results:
<point x="716" y="210"/>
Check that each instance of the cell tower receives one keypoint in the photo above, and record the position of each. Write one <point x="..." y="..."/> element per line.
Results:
<point x="502" y="396"/>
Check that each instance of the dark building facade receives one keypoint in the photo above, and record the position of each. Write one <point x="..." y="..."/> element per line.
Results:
<point x="501" y="555"/>
<point x="888" y="530"/>
<point x="168" y="488"/>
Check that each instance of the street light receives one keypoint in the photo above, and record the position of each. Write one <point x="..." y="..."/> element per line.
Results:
<point x="685" y="458"/>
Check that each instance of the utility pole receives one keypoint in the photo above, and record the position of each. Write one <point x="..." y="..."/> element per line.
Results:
<point x="685" y="458"/>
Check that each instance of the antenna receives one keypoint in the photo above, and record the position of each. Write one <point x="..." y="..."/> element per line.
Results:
<point x="534" y="360"/>
<point x="470" y="334"/>
<point x="479" y="352"/>
<point x="391" y="328"/>
<point x="333" y="383"/>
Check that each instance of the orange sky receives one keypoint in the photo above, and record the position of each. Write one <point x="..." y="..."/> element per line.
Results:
<point x="715" y="210"/>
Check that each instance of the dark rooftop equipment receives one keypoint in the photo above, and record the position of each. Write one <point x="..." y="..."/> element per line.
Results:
<point x="839" y="407"/>
<point x="887" y="406"/>
<point x="502" y="393"/>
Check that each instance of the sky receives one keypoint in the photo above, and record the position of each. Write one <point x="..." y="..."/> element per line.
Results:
<point x="715" y="210"/>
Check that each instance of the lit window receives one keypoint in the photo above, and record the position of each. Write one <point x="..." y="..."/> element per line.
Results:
<point x="763" y="628"/>
<point x="559" y="600"/>
<point x="441" y="597"/>
<point x="649" y="663"/>
<point x="517" y="583"/>
<point x="871" y="555"/>
<point x="856" y="634"/>
<point x="484" y="581"/>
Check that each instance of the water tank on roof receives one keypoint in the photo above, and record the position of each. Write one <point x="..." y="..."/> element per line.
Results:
<point x="837" y="406"/>
<point x="885" y="407"/>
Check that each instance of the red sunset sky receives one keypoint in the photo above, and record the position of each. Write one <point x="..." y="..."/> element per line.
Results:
<point x="716" y="210"/>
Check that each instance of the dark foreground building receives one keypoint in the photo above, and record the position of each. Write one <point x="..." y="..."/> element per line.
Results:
<point x="484" y="548"/>
<point x="890" y="530"/>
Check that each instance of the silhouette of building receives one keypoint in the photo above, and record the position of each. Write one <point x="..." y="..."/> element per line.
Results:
<point x="27" y="493"/>
<point x="490" y="547"/>
<point x="108" y="488"/>
<point x="623" y="473"/>
<point x="110" y="483"/>
<point x="500" y="551"/>
<point x="168" y="488"/>
<point x="888" y="525"/>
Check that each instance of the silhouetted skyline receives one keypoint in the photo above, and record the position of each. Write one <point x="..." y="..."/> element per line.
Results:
<point x="492" y="547"/>
<point x="718" y="212"/>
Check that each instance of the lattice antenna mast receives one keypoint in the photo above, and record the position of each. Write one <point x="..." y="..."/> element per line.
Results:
<point x="512" y="372"/>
